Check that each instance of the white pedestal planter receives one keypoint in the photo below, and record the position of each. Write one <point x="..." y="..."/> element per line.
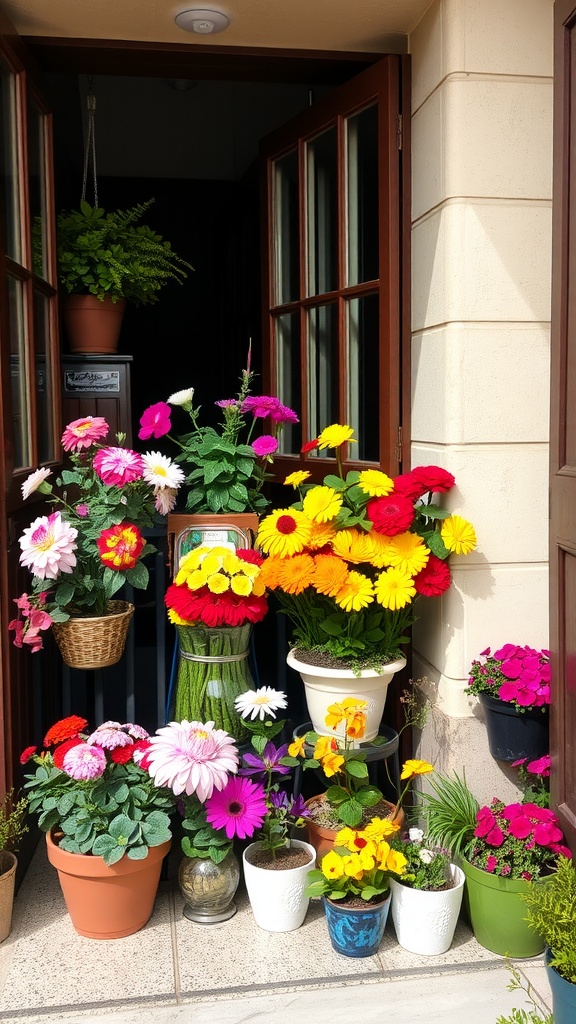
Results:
<point x="425" y="921"/>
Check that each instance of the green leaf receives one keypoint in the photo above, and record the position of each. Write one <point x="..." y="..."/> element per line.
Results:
<point x="138" y="577"/>
<point x="350" y="812"/>
<point x="335" y="482"/>
<point x="358" y="769"/>
<point x="368" y="796"/>
<point x="259" y="743"/>
<point x="436" y="545"/>
<point x="336" y="795"/>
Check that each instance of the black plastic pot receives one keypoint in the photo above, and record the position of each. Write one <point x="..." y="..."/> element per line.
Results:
<point x="513" y="734"/>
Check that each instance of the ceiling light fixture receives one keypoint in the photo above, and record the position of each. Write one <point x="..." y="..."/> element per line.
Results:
<point x="203" y="21"/>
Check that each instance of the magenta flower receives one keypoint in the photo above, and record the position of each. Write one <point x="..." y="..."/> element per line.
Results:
<point x="263" y="406"/>
<point x="83" y="762"/>
<point x="83" y="433"/>
<point x="265" y="445"/>
<point x="118" y="466"/>
<point x="227" y="403"/>
<point x="82" y="510"/>
<point x="491" y="863"/>
<point x="155" y="421"/>
<point x="239" y="808"/>
<point x="539" y="767"/>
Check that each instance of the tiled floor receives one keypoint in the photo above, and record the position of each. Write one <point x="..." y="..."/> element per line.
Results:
<point x="177" y="972"/>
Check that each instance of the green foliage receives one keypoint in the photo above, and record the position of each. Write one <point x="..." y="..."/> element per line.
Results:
<point x="551" y="904"/>
<point x="12" y="821"/>
<point x="428" y="866"/>
<point x="203" y="841"/>
<point x="450" y="813"/>
<point x="373" y="883"/>
<point x="536" y="1015"/>
<point x="111" y="254"/>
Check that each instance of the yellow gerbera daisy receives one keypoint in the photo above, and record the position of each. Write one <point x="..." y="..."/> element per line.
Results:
<point x="284" y="532"/>
<point x="357" y="593"/>
<point x="297" y="477"/>
<point x="194" y="580"/>
<point x="394" y="589"/>
<point x="375" y="483"/>
<point x="379" y="547"/>
<point x="322" y="504"/>
<point x="408" y="552"/>
<point x="321" y="534"/>
<point x="331" y="574"/>
<point x="413" y="767"/>
<point x="458" y="535"/>
<point x="335" y="435"/>
<point x="353" y="545"/>
<point x="177" y="620"/>
<point x="218" y="583"/>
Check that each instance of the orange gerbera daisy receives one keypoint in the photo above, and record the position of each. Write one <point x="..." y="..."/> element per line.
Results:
<point x="269" y="571"/>
<point x="331" y="574"/>
<point x="296" y="573"/>
<point x="321" y="534"/>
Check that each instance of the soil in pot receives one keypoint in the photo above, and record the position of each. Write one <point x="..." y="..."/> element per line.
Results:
<point x="293" y="857"/>
<point x="323" y="815"/>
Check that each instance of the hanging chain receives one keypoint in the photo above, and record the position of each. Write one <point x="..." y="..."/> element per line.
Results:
<point x="90" y="147"/>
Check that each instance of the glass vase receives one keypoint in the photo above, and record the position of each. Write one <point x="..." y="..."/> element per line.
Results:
<point x="208" y="888"/>
<point x="212" y="671"/>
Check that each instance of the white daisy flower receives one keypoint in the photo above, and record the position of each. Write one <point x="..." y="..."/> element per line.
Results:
<point x="182" y="397"/>
<point x="160" y="471"/>
<point x="264" y="701"/>
<point x="416" y="835"/>
<point x="32" y="482"/>
<point x="426" y="856"/>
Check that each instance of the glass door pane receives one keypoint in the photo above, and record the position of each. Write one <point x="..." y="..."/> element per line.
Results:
<point x="322" y="213"/>
<point x="363" y="375"/>
<point x="37" y="189"/>
<point x="362" y="198"/>
<point x="288" y="378"/>
<point x="44" y="395"/>
<point x="286" y="234"/>
<point x="9" y="197"/>
<point x="18" y="375"/>
<point x="322" y="369"/>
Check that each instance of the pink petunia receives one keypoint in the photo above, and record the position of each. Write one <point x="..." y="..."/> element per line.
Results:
<point x="265" y="445"/>
<point x="155" y="421"/>
<point x="540" y="767"/>
<point x="84" y="432"/>
<point x="118" y="466"/>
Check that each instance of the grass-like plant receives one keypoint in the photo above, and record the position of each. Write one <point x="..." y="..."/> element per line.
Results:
<point x="551" y="904"/>
<point x="12" y="821"/>
<point x="536" y="1015"/>
<point x="450" y="813"/>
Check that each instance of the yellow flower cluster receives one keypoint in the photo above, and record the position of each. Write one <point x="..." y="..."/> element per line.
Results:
<point x="356" y="854"/>
<point x="220" y="569"/>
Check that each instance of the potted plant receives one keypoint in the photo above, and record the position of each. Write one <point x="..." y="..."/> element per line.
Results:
<point x="90" y="545"/>
<point x="426" y="899"/>
<point x="275" y="865"/>
<point x="513" y="686"/>
<point x="209" y="872"/>
<point x="12" y="828"/>
<point x="214" y="600"/>
<point x="225" y="466"/>
<point x="552" y="914"/>
<point x="501" y="847"/>
<point x="105" y="260"/>
<point x="347" y="562"/>
<point x="351" y="799"/>
<point x="107" y="824"/>
<point x="354" y="882"/>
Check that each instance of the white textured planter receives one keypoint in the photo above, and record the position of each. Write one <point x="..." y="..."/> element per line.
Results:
<point x="425" y="921"/>
<point x="277" y="897"/>
<point x="325" y="686"/>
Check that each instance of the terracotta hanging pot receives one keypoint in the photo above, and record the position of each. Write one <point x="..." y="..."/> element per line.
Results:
<point x="95" y="641"/>
<point x="93" y="324"/>
<point x="107" y="902"/>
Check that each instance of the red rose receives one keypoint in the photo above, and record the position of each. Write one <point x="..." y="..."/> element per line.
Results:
<point x="390" y="515"/>
<point x="409" y="486"/>
<point x="434" y="478"/>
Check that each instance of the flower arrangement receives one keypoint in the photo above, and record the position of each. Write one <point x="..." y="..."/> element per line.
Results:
<point x="360" y="865"/>
<point x="214" y="600"/>
<point x="517" y="675"/>
<point x="351" y="796"/>
<point x="93" y="790"/>
<point x="84" y="551"/>
<point x="348" y="559"/>
<point x="225" y="467"/>
<point x="427" y="865"/>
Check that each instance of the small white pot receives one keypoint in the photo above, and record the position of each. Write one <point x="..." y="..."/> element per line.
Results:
<point x="425" y="921"/>
<point x="325" y="686"/>
<point x="277" y="897"/>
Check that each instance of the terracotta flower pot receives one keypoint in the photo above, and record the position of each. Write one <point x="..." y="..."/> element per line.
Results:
<point x="322" y="838"/>
<point x="107" y="902"/>
<point x="93" y="325"/>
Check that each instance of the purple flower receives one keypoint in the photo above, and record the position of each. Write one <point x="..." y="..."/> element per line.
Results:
<point x="226" y="403"/>
<point x="269" y="762"/>
<point x="265" y="445"/>
<point x="299" y="809"/>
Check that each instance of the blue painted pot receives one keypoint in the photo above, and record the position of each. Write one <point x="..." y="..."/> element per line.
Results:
<point x="356" y="932"/>
<point x="563" y="995"/>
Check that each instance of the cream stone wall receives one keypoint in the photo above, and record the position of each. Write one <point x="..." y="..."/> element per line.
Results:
<point x="481" y="245"/>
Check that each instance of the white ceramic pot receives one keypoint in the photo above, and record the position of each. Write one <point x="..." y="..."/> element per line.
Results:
<point x="325" y="686"/>
<point x="425" y="921"/>
<point x="277" y="897"/>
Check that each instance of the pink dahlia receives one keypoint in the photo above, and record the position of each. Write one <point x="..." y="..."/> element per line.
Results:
<point x="155" y="421"/>
<point x="240" y="808"/>
<point x="265" y="445"/>
<point x="82" y="433"/>
<point x="118" y="466"/>
<point x="191" y="757"/>
<point x="48" y="546"/>
<point x="110" y="735"/>
<point x="262" y="406"/>
<point x="83" y="761"/>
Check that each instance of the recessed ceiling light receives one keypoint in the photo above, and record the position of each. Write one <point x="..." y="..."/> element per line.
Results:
<point x="203" y="21"/>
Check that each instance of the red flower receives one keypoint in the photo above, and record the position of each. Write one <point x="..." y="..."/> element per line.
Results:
<point x="390" y="515"/>
<point x="434" y="478"/>
<point x="120" y="546"/>
<point x="63" y="748"/>
<point x="434" y="578"/>
<point x="140" y="753"/>
<point x="309" y="446"/>
<point x="409" y="486"/>
<point x="121" y="755"/>
<point x="65" y="729"/>
<point x="27" y="754"/>
<point x="250" y="555"/>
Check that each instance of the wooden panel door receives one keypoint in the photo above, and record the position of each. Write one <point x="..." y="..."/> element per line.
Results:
<point x="563" y="425"/>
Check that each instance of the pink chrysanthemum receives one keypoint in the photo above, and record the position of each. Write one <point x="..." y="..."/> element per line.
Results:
<point x="83" y="433"/>
<point x="192" y="757"/>
<point x="84" y="762"/>
<point x="136" y="731"/>
<point x="155" y="421"/>
<point x="48" y="546"/>
<point x="118" y="466"/>
<point x="240" y="808"/>
<point x="265" y="445"/>
<point x="110" y="735"/>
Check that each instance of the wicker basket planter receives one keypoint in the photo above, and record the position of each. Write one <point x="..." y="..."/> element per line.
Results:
<point x="94" y="642"/>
